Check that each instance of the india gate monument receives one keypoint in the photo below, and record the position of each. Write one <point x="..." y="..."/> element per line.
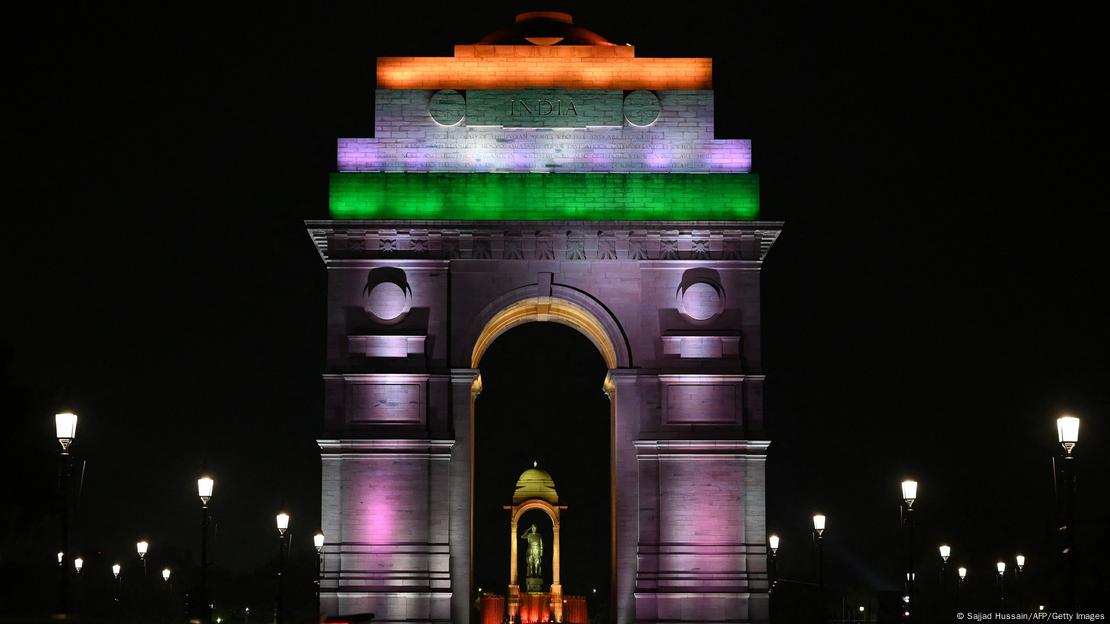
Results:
<point x="544" y="174"/>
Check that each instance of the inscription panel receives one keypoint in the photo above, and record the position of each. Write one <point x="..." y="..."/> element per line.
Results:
<point x="544" y="108"/>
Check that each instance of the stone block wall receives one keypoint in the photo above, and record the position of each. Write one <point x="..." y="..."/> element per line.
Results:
<point x="681" y="139"/>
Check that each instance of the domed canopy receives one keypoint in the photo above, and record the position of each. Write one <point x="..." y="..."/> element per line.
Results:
<point x="535" y="483"/>
<point x="544" y="28"/>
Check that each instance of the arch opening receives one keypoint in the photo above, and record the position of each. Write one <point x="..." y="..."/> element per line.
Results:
<point x="542" y="371"/>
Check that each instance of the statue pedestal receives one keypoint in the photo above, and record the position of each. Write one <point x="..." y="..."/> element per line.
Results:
<point x="533" y="584"/>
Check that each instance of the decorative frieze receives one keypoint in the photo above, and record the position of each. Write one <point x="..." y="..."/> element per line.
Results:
<point x="524" y="241"/>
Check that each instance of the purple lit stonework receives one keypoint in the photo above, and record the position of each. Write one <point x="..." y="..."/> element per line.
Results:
<point x="672" y="306"/>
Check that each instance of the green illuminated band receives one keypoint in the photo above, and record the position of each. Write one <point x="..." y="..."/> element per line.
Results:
<point x="545" y="197"/>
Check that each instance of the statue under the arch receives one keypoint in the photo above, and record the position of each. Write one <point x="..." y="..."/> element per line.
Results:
<point x="535" y="553"/>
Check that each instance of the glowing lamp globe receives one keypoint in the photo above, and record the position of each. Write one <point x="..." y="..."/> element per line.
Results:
<point x="141" y="547"/>
<point x="773" y="540"/>
<point x="318" y="541"/>
<point x="819" y="524"/>
<point x="78" y="563"/>
<point x="1020" y="559"/>
<point x="115" y="570"/>
<point x="945" y="552"/>
<point x="962" y="572"/>
<point x="204" y="489"/>
<point x="61" y="556"/>
<point x="66" y="427"/>
<point x="166" y="575"/>
<point x="282" y="523"/>
<point x="1001" y="566"/>
<point x="909" y="491"/>
<point x="1067" y="430"/>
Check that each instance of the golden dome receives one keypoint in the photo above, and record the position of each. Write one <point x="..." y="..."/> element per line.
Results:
<point x="535" y="483"/>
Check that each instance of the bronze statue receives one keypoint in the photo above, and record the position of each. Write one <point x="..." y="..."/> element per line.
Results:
<point x="535" y="550"/>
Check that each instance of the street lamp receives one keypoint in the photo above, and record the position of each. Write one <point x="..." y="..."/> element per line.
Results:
<point x="1067" y="432"/>
<point x="65" y="426"/>
<point x="773" y="542"/>
<point x="318" y="543"/>
<point x="1001" y="567"/>
<point x="282" y="519"/>
<point x="205" y="485"/>
<point x="78" y="563"/>
<point x="945" y="552"/>
<point x="141" y="547"/>
<point x="961" y="575"/>
<point x="118" y="584"/>
<point x="61" y="557"/>
<point x="909" y="495"/>
<point x="818" y="535"/>
<point x="1020" y="560"/>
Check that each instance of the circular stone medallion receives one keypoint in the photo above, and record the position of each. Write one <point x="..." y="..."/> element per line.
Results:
<point x="447" y="107"/>
<point x="387" y="301"/>
<point x="641" y="108"/>
<point x="700" y="301"/>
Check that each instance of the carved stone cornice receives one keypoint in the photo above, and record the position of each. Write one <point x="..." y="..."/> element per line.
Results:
<point x="544" y="240"/>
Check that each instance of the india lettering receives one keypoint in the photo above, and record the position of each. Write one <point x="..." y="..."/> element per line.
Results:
<point x="542" y="108"/>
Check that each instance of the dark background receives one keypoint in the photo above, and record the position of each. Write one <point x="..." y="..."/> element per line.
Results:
<point x="935" y="301"/>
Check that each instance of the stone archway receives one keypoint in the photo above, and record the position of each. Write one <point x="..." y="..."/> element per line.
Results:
<point x="443" y="234"/>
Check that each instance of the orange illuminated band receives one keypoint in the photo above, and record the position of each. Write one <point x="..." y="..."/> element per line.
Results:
<point x="520" y="67"/>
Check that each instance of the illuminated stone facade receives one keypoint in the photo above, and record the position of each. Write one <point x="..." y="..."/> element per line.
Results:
<point x="642" y="235"/>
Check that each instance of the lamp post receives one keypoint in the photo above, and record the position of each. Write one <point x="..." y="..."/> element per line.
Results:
<point x="1067" y="432"/>
<point x="961" y="572"/>
<point x="909" y="495"/>
<point x="318" y="543"/>
<point x="79" y="563"/>
<point x="945" y="552"/>
<point x="141" y="547"/>
<point x="818" y="537"/>
<point x="283" y="531"/>
<point x="1019" y="582"/>
<point x="65" y="425"/>
<point x="118" y="585"/>
<point x="1001" y="567"/>
<point x="169" y="592"/>
<point x="773" y="568"/>
<point x="205" y="485"/>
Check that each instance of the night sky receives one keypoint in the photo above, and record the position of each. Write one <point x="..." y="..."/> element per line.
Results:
<point x="935" y="301"/>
